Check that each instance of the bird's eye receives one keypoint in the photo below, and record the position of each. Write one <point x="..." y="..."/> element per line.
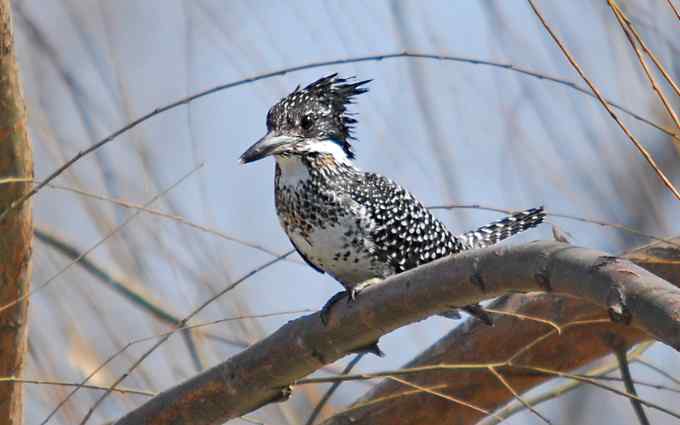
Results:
<point x="306" y="122"/>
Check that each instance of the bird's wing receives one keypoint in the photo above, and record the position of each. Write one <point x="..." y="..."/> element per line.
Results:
<point x="405" y="234"/>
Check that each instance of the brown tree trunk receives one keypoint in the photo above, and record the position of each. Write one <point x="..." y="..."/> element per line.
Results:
<point x="16" y="228"/>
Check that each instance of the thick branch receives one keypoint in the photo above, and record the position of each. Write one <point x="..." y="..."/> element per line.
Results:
<point x="477" y="343"/>
<point x="16" y="164"/>
<point x="257" y="375"/>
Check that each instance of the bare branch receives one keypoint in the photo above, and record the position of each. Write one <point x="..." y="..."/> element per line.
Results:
<point x="180" y="325"/>
<point x="576" y="347"/>
<point x="106" y="237"/>
<point x="121" y="390"/>
<point x="643" y="151"/>
<point x="320" y="405"/>
<point x="560" y="390"/>
<point x="630" y="386"/>
<point x="262" y="373"/>
<point x="515" y="394"/>
<point x="627" y="28"/>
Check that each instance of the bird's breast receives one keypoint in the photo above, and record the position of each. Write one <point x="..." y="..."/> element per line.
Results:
<point x="329" y="228"/>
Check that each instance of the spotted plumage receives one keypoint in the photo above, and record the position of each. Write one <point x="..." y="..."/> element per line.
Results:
<point x="356" y="226"/>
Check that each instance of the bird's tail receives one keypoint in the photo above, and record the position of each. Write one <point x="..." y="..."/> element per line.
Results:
<point x="503" y="229"/>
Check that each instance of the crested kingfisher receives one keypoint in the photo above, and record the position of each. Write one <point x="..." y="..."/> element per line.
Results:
<point x="357" y="226"/>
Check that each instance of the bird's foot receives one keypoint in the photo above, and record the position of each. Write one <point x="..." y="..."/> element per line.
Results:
<point x="352" y="295"/>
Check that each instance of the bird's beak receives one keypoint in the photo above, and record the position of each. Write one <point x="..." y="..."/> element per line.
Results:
<point x="270" y="144"/>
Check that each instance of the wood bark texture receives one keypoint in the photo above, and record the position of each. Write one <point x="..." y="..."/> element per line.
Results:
<point x="477" y="343"/>
<point x="16" y="228"/>
<point x="261" y="374"/>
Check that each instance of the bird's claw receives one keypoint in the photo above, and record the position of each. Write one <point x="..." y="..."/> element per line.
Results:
<point x="352" y="295"/>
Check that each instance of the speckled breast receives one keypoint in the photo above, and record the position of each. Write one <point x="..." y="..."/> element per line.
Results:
<point x="328" y="228"/>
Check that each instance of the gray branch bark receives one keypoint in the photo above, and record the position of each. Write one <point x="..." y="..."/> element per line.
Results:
<point x="261" y="373"/>
<point x="474" y="342"/>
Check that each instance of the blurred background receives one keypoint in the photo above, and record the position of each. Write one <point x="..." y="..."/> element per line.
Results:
<point x="451" y="132"/>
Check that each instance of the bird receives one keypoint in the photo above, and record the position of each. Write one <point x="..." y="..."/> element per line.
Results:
<point x="359" y="227"/>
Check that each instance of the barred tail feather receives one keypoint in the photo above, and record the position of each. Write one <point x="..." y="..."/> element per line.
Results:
<point x="503" y="229"/>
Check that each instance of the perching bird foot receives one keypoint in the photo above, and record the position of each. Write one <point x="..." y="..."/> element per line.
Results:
<point x="352" y="295"/>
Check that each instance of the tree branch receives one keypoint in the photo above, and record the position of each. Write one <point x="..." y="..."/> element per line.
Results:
<point x="262" y="373"/>
<point x="474" y="342"/>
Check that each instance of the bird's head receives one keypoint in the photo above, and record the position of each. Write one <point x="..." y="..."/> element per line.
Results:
<point x="310" y="121"/>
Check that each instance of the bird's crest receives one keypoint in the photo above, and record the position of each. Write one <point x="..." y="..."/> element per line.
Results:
<point x="319" y="110"/>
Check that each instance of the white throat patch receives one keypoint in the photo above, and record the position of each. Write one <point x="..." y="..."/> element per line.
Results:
<point x="329" y="147"/>
<point x="293" y="170"/>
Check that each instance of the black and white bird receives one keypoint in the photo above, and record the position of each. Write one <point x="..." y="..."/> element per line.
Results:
<point x="359" y="227"/>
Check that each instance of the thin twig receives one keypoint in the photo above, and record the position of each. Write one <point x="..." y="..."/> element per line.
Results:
<point x="621" y="358"/>
<point x="560" y="390"/>
<point x="637" y="382"/>
<point x="675" y="10"/>
<point x="559" y="215"/>
<point x="599" y="385"/>
<point x="106" y="237"/>
<point x="174" y="217"/>
<point x="406" y="371"/>
<point x="444" y="396"/>
<point x="284" y="71"/>
<point x="71" y="384"/>
<point x="547" y="335"/>
<point x="649" y="53"/>
<point x="659" y="371"/>
<point x="628" y="32"/>
<point x="320" y="405"/>
<point x="124" y="287"/>
<point x="550" y="323"/>
<point x="121" y="285"/>
<point x="392" y="396"/>
<point x="149" y="338"/>
<point x="181" y="324"/>
<point x="514" y="393"/>
<point x="397" y="372"/>
<point x="10" y="180"/>
<point x="643" y="151"/>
